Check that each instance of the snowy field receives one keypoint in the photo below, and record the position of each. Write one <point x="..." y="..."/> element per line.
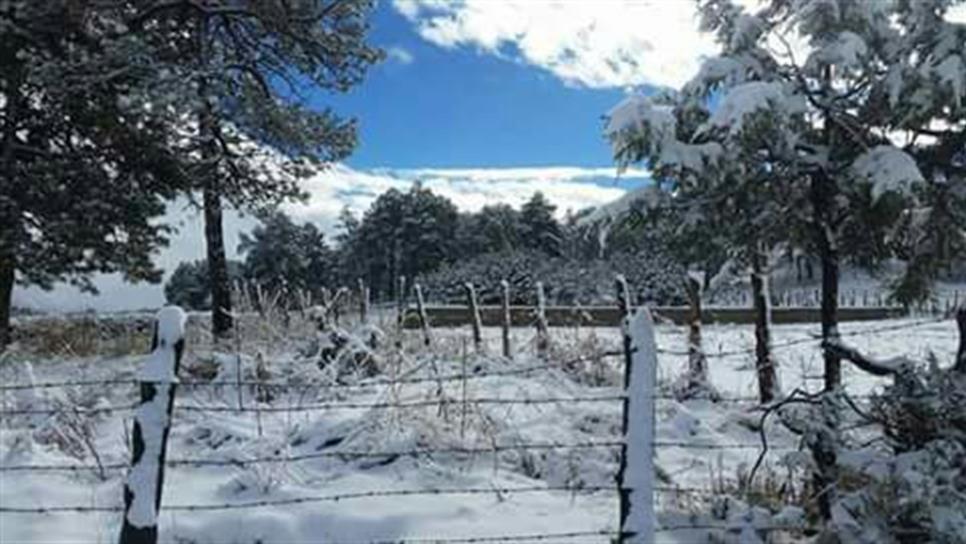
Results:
<point x="437" y="445"/>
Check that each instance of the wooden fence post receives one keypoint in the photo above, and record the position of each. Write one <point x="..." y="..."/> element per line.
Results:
<point x="474" y="315"/>
<point x="423" y="320"/>
<point x="960" y="365"/>
<point x="152" y="422"/>
<point x="635" y="477"/>
<point x="507" y="349"/>
<point x="363" y="302"/>
<point x="400" y="309"/>
<point x="543" y="336"/>
<point x="623" y="296"/>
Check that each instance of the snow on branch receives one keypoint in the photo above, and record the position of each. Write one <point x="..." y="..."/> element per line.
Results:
<point x="885" y="367"/>
<point x="887" y="168"/>
<point x="744" y="101"/>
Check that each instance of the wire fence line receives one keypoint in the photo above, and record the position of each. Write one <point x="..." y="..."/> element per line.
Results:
<point x="817" y="339"/>
<point x="401" y="404"/>
<point x="337" y="497"/>
<point x="452" y="377"/>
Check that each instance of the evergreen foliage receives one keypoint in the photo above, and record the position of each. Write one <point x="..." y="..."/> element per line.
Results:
<point x="282" y="256"/>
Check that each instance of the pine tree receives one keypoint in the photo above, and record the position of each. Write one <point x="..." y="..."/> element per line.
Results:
<point x="188" y="285"/>
<point x="405" y="235"/>
<point x="237" y="69"/>
<point x="804" y="127"/>
<point x="288" y="258"/>
<point x="82" y="176"/>
<point x="539" y="229"/>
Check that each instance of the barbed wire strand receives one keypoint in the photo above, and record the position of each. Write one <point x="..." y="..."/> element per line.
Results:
<point x="289" y="385"/>
<point x="317" y="499"/>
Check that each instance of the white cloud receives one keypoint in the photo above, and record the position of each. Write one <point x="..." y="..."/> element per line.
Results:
<point x="470" y="189"/>
<point x="607" y="43"/>
<point x="400" y="55"/>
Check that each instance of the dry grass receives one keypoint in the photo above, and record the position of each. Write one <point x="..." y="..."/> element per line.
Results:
<point x="86" y="336"/>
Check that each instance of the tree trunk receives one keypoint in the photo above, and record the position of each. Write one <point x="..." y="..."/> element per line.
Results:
<point x="697" y="362"/>
<point x="829" y="257"/>
<point x="221" y="318"/>
<point x="767" y="381"/>
<point x="7" y="275"/>
<point x="8" y="208"/>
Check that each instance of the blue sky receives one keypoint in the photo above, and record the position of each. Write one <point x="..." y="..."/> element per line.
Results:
<point x="432" y="107"/>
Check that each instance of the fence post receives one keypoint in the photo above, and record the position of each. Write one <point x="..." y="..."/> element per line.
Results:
<point x="635" y="478"/>
<point x="423" y="320"/>
<point x="400" y="309"/>
<point x="960" y="366"/>
<point x="152" y="422"/>
<point x="474" y="315"/>
<point x="507" y="351"/>
<point x="543" y="337"/>
<point x="363" y="302"/>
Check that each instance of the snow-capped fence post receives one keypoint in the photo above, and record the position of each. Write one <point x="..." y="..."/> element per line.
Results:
<point x="635" y="478"/>
<point x="152" y="422"/>
<point x="423" y="320"/>
<point x="363" y="302"/>
<point x="543" y="336"/>
<point x="474" y="315"/>
<point x="507" y="350"/>
<point x="960" y="365"/>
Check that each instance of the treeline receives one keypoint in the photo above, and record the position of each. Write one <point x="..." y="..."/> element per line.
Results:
<point x="110" y="110"/>
<point x="422" y="236"/>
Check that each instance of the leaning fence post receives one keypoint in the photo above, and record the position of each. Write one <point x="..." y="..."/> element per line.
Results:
<point x="635" y="478"/>
<point x="152" y="422"/>
<point x="543" y="337"/>
<point x="507" y="351"/>
<point x="423" y="320"/>
<point x="474" y="315"/>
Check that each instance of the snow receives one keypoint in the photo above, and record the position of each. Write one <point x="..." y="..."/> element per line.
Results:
<point x="641" y="424"/>
<point x="743" y="101"/>
<point x="160" y="365"/>
<point x="636" y="113"/>
<point x="846" y="50"/>
<point x="887" y="169"/>
<point x="152" y="416"/>
<point x="230" y="436"/>
<point x="637" y="116"/>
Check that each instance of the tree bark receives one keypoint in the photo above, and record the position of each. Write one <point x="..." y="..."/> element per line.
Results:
<point x="221" y="318"/>
<point x="7" y="275"/>
<point x="8" y="208"/>
<point x="697" y="362"/>
<point x="767" y="381"/>
<point x="829" y="256"/>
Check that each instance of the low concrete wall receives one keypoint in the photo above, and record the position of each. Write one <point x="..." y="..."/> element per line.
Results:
<point x="606" y="316"/>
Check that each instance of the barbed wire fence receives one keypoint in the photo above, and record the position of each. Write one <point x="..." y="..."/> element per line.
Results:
<point x="624" y="488"/>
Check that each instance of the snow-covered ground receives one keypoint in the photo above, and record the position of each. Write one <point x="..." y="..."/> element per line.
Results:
<point x="350" y="462"/>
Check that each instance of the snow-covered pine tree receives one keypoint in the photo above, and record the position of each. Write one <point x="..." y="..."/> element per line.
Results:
<point x="924" y="93"/>
<point x="793" y="116"/>
<point x="237" y="69"/>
